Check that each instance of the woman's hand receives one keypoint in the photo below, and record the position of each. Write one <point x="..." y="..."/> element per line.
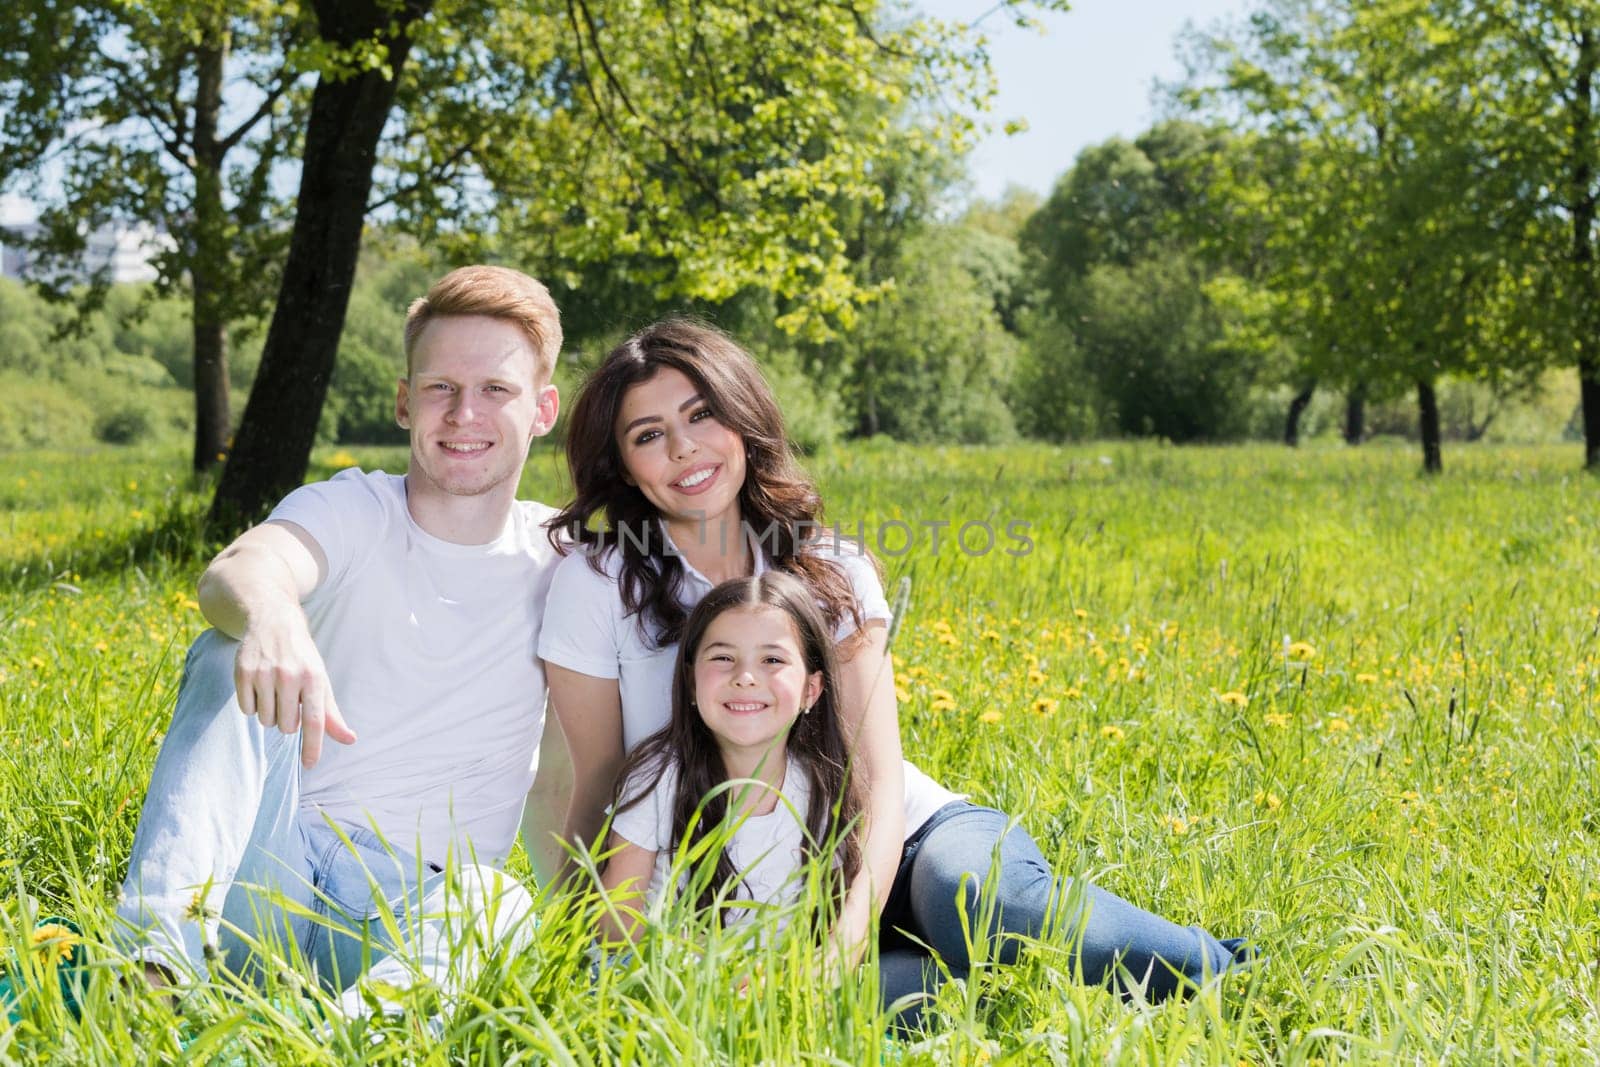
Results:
<point x="872" y="731"/>
<point x="589" y="712"/>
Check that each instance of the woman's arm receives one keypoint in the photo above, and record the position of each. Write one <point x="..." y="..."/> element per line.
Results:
<point x="872" y="730"/>
<point x="589" y="711"/>
<point x="625" y="879"/>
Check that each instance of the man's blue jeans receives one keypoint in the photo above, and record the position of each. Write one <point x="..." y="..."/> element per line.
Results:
<point x="226" y="861"/>
<point x="945" y="870"/>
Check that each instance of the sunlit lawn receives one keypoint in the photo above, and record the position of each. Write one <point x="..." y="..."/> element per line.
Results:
<point x="1308" y="697"/>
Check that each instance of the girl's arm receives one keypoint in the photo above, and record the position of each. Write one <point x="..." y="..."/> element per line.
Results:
<point x="625" y="879"/>
<point x="872" y="731"/>
<point x="589" y="711"/>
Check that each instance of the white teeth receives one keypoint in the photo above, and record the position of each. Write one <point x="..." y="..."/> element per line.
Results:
<point x="696" y="478"/>
<point x="477" y="447"/>
<point x="745" y="707"/>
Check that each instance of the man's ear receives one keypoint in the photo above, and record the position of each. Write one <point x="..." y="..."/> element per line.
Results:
<point x="549" y="408"/>
<point x="402" y="403"/>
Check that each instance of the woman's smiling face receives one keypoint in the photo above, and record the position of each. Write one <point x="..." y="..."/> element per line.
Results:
<point x="686" y="463"/>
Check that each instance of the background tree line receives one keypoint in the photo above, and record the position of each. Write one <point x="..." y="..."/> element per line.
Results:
<point x="1361" y="201"/>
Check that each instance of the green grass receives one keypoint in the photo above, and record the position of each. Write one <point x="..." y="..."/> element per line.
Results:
<point x="1308" y="697"/>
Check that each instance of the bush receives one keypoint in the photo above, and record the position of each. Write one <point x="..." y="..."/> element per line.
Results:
<point x="125" y="425"/>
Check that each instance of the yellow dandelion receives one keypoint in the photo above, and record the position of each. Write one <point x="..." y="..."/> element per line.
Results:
<point x="1365" y="678"/>
<point x="198" y="911"/>
<point x="1080" y="613"/>
<point x="1234" y="699"/>
<point x="992" y="635"/>
<point x="1277" y="718"/>
<point x="1073" y="692"/>
<point x="1046" y="706"/>
<point x="53" y="942"/>
<point x="133" y="487"/>
<point x="948" y="639"/>
<point x="342" y="458"/>
<point x="990" y="717"/>
<point x="101" y="646"/>
<point x="1264" y="799"/>
<point x="1337" y="725"/>
<point x="1112" y="732"/>
<point x="1140" y="648"/>
<point x="902" y="694"/>
<point x="36" y="662"/>
<point x="1300" y="650"/>
<point x="190" y="605"/>
<point x="1177" y="824"/>
<point x="1036" y="677"/>
<point x="942" y="700"/>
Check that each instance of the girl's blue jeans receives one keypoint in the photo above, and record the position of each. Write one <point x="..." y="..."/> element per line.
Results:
<point x="973" y="860"/>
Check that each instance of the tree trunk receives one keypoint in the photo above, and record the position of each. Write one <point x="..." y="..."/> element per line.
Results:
<point x="1297" y="408"/>
<point x="869" y="411"/>
<point x="1355" y="414"/>
<point x="274" y="442"/>
<point x="1582" y="204"/>
<point x="1428" y="424"/>
<point x="212" y="417"/>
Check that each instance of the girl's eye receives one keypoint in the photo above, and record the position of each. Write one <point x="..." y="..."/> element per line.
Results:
<point x="646" y="437"/>
<point x="779" y="660"/>
<point x="703" y="413"/>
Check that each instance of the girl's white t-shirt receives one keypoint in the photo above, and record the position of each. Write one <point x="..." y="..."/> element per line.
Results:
<point x="767" y="850"/>
<point x="586" y="629"/>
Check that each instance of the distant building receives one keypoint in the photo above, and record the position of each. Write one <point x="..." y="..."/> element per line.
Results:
<point x="127" y="250"/>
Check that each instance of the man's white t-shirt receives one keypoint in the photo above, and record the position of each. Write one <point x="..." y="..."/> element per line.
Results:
<point x="432" y="648"/>
<point x="587" y="629"/>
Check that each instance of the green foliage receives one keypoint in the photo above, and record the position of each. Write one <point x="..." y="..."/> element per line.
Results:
<point x="1143" y="328"/>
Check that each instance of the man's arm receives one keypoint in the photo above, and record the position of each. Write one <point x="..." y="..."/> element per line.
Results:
<point x="252" y="592"/>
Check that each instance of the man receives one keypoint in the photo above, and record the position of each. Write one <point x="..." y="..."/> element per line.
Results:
<point x="397" y="617"/>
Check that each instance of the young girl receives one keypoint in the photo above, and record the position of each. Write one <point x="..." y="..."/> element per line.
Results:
<point x="676" y="441"/>
<point x="752" y="703"/>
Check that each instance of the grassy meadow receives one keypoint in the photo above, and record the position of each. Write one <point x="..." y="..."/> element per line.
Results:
<point x="1307" y="697"/>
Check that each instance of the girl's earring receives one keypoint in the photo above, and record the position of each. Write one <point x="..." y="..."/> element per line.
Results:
<point x="806" y="710"/>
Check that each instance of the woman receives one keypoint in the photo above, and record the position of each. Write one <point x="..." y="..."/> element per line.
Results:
<point x="677" y="442"/>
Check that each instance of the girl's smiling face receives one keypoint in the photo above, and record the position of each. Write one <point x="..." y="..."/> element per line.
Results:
<point x="686" y="463"/>
<point x="750" y="679"/>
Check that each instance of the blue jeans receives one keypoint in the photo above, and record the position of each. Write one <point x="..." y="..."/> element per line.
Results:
<point x="944" y="870"/>
<point x="227" y="868"/>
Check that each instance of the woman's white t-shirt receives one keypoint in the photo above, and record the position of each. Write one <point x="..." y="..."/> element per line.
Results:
<point x="586" y="629"/>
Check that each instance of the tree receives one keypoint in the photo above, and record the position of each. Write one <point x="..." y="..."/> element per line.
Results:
<point x="1536" y="63"/>
<point x="1170" y="332"/>
<point x="714" y="145"/>
<point x="1387" y="209"/>
<point x="115" y="116"/>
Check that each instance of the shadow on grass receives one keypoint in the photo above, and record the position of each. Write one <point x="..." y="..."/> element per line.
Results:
<point x="179" y="535"/>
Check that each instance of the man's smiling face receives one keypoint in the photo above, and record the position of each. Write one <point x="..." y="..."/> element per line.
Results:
<point x="473" y="404"/>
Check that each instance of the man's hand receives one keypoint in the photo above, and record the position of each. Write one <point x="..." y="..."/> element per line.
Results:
<point x="280" y="678"/>
<point x="252" y="592"/>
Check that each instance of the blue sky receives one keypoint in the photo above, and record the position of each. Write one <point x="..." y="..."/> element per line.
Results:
<point x="1088" y="77"/>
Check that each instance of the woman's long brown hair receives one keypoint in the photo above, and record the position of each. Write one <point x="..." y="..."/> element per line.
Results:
<point x="815" y="743"/>
<point x="777" y="501"/>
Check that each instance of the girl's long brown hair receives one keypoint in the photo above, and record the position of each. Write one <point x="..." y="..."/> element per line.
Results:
<point x="777" y="501"/>
<point x="815" y="743"/>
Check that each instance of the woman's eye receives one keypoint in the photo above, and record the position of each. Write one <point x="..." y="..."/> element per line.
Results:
<point x="703" y="413"/>
<point x="646" y="437"/>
